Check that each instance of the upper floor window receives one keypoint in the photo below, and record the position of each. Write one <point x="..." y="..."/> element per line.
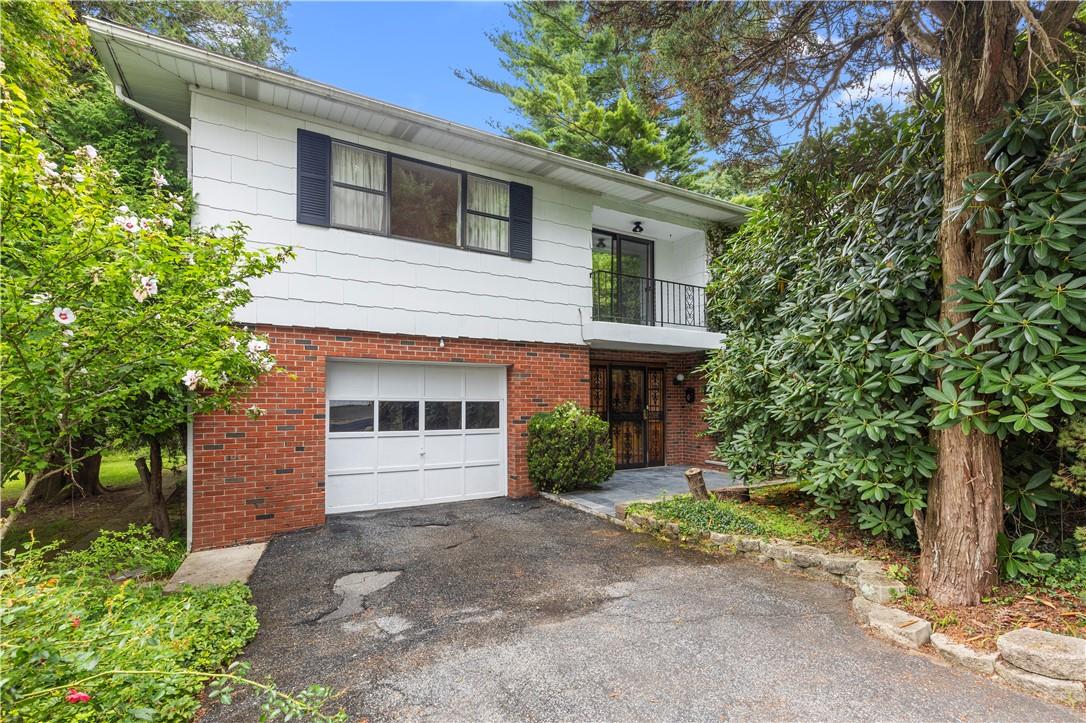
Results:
<point x="487" y="215"/>
<point x="358" y="188"/>
<point x="348" y="186"/>
<point x="425" y="202"/>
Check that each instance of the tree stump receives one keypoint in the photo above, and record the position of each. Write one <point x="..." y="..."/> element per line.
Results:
<point x="695" y="480"/>
<point x="740" y="494"/>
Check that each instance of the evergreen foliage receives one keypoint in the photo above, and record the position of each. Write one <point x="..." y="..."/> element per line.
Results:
<point x="569" y="448"/>
<point x="829" y="297"/>
<point x="583" y="94"/>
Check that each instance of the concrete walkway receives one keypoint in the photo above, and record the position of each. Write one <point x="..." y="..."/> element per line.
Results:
<point x="217" y="567"/>
<point x="521" y="610"/>
<point x="649" y="483"/>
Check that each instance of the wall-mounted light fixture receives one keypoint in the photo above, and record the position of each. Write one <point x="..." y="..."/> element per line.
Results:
<point x="679" y="379"/>
<point x="637" y="227"/>
<point x="690" y="395"/>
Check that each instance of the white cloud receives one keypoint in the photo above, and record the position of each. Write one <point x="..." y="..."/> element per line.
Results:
<point x="888" y="85"/>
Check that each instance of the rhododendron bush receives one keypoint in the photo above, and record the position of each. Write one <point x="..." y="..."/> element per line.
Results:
<point x="116" y="312"/>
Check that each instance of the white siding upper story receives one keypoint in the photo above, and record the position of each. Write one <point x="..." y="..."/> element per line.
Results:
<point x="243" y="168"/>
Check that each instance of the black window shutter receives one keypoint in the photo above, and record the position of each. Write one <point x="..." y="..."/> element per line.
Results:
<point x="520" y="221"/>
<point x="314" y="178"/>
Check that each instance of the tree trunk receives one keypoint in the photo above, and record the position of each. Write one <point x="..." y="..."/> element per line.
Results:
<point x="151" y="476"/>
<point x="50" y="487"/>
<point x="695" y="480"/>
<point x="85" y="475"/>
<point x="88" y="476"/>
<point x="965" y="498"/>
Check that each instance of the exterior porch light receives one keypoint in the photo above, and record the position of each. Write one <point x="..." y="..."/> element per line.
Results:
<point x="637" y="228"/>
<point x="679" y="379"/>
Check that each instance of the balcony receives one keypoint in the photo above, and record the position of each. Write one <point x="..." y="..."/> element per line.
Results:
<point x="625" y="299"/>
<point x="674" y="314"/>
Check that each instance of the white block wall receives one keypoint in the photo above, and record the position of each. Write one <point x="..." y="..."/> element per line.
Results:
<point x="243" y="168"/>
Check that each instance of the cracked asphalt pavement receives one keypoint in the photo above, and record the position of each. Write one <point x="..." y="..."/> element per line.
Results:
<point x="524" y="610"/>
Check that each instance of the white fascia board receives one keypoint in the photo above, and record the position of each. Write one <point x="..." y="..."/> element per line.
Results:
<point x="635" y="337"/>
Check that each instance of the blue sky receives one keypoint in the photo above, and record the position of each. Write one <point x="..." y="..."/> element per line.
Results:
<point x="403" y="53"/>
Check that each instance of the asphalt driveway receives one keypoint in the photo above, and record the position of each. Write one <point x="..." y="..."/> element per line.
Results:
<point x="524" y="610"/>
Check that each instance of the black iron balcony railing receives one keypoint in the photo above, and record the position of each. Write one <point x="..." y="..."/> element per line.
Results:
<point x="642" y="300"/>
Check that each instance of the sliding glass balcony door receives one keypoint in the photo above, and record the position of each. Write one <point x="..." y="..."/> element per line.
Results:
<point x="622" y="279"/>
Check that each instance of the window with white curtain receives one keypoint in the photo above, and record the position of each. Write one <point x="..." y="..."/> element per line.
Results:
<point x="486" y="224"/>
<point x="358" y="188"/>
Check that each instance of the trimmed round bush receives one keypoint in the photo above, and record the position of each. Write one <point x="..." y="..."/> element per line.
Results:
<point x="568" y="448"/>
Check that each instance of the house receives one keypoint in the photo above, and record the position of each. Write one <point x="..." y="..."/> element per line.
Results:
<point x="448" y="284"/>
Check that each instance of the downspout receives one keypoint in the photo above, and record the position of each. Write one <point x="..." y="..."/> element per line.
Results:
<point x="141" y="108"/>
<point x="189" y="447"/>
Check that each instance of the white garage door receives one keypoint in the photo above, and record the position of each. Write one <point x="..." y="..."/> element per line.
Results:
<point x="413" y="434"/>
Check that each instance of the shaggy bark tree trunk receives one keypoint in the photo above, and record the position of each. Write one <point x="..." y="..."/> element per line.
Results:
<point x="151" y="476"/>
<point x="965" y="498"/>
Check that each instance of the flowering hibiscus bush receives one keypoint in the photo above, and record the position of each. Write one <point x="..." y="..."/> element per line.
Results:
<point x="116" y="313"/>
<point x="81" y="643"/>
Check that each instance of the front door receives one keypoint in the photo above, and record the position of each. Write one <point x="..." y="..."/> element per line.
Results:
<point x="634" y="409"/>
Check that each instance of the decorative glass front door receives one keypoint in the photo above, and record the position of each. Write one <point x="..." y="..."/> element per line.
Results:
<point x="631" y="399"/>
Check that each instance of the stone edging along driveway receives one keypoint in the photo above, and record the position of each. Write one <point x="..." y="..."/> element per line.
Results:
<point x="1042" y="663"/>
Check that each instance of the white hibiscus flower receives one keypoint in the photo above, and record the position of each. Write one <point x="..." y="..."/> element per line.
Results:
<point x="63" y="315"/>
<point x="158" y="179"/>
<point x="192" y="379"/>
<point x="256" y="346"/>
<point x="130" y="224"/>
<point x="39" y="298"/>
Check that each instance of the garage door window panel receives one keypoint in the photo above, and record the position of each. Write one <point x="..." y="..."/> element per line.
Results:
<point x="483" y="415"/>
<point x="350" y="416"/>
<point x="398" y="416"/>
<point x="443" y="416"/>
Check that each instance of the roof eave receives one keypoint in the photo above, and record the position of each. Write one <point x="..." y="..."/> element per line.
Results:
<point x="722" y="210"/>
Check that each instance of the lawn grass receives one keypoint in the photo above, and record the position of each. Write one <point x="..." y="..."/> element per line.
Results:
<point x="731" y="517"/>
<point x="77" y="520"/>
<point x="118" y="471"/>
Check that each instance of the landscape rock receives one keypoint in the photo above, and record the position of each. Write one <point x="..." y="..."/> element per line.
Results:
<point x="963" y="655"/>
<point x="819" y="574"/>
<point x="897" y="625"/>
<point x="722" y="539"/>
<point x="807" y="556"/>
<point x="840" y="564"/>
<point x="779" y="550"/>
<point x="869" y="567"/>
<point x="1063" y="691"/>
<point x="879" y="588"/>
<point x="670" y="530"/>
<point x="786" y="565"/>
<point x="749" y="544"/>
<point x="1044" y="653"/>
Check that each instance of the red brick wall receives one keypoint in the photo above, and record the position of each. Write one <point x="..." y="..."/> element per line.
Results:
<point x="253" y="478"/>
<point x="683" y="422"/>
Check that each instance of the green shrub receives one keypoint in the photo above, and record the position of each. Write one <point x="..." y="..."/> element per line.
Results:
<point x="729" y="517"/>
<point x="1068" y="574"/>
<point x="568" y="448"/>
<point x="66" y="624"/>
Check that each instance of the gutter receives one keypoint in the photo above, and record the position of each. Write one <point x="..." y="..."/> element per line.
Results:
<point x="161" y="118"/>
